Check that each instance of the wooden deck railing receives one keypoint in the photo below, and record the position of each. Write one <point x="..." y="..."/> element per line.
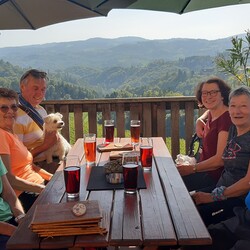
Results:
<point x="151" y="111"/>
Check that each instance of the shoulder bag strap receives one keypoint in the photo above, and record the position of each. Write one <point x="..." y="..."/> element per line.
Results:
<point x="32" y="115"/>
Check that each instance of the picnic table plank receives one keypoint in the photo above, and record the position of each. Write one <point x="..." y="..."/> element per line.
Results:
<point x="189" y="229"/>
<point x="156" y="220"/>
<point x="126" y="227"/>
<point x="105" y="201"/>
<point x="104" y="197"/>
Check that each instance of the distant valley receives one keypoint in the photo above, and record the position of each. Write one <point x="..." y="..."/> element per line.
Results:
<point x="122" y="67"/>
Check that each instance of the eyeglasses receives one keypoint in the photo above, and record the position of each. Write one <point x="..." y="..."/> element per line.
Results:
<point x="35" y="73"/>
<point x="5" y="108"/>
<point x="211" y="93"/>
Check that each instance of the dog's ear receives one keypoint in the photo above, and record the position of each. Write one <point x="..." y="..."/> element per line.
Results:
<point x="60" y="115"/>
<point x="45" y="119"/>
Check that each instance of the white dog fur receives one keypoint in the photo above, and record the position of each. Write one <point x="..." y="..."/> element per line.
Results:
<point x="54" y="122"/>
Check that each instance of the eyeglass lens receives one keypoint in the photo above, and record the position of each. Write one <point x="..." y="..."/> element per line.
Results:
<point x="5" y="108"/>
<point x="211" y="93"/>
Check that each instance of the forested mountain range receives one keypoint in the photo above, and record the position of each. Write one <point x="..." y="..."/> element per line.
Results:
<point x="100" y="52"/>
<point x="122" y="67"/>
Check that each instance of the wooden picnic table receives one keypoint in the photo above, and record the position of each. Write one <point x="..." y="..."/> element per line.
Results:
<point x="163" y="214"/>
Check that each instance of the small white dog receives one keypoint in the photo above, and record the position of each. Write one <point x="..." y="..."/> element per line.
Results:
<point x="54" y="122"/>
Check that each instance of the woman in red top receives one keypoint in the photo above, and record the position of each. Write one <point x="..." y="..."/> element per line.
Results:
<point x="213" y="95"/>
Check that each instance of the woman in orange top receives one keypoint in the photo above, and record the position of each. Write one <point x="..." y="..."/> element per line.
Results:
<point x="26" y="178"/>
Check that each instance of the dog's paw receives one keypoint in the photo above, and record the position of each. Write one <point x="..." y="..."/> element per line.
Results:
<point x="49" y="160"/>
<point x="62" y="157"/>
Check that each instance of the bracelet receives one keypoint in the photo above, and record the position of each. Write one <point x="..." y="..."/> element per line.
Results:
<point x="195" y="167"/>
<point x="19" y="217"/>
<point x="218" y="194"/>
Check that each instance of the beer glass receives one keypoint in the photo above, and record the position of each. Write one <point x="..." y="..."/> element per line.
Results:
<point x="72" y="176"/>
<point x="90" y="148"/>
<point x="130" y="163"/>
<point x="146" y="153"/>
<point x="135" y="131"/>
<point x="109" y="126"/>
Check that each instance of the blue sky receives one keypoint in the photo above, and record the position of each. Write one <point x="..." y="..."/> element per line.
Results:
<point x="207" y="24"/>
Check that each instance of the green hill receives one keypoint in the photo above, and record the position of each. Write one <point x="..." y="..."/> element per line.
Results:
<point x="122" y="67"/>
<point x="103" y="53"/>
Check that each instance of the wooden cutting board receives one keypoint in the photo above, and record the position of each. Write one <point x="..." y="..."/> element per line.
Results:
<point x="114" y="147"/>
<point x="118" y="154"/>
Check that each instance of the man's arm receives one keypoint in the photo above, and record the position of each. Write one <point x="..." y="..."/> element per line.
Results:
<point x="50" y="139"/>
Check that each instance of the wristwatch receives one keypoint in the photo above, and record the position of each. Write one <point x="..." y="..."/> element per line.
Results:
<point x="19" y="217"/>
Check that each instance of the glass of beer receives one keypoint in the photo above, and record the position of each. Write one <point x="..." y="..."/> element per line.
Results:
<point x="109" y="126"/>
<point x="72" y="176"/>
<point x="146" y="153"/>
<point x="135" y="131"/>
<point x="90" y="148"/>
<point x="130" y="162"/>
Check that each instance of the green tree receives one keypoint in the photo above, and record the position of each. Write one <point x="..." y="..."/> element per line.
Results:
<point x="236" y="60"/>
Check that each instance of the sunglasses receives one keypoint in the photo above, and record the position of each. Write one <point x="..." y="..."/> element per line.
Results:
<point x="35" y="73"/>
<point x="5" y="108"/>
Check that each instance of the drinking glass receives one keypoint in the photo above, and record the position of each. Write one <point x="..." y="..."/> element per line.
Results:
<point x="90" y="148"/>
<point x="146" y="153"/>
<point x="109" y="126"/>
<point x="130" y="163"/>
<point x="72" y="176"/>
<point x="135" y="131"/>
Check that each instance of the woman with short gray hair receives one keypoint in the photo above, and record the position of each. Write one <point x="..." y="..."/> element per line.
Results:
<point x="233" y="185"/>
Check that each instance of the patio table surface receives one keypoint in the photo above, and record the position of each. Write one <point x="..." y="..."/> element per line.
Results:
<point x="163" y="214"/>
